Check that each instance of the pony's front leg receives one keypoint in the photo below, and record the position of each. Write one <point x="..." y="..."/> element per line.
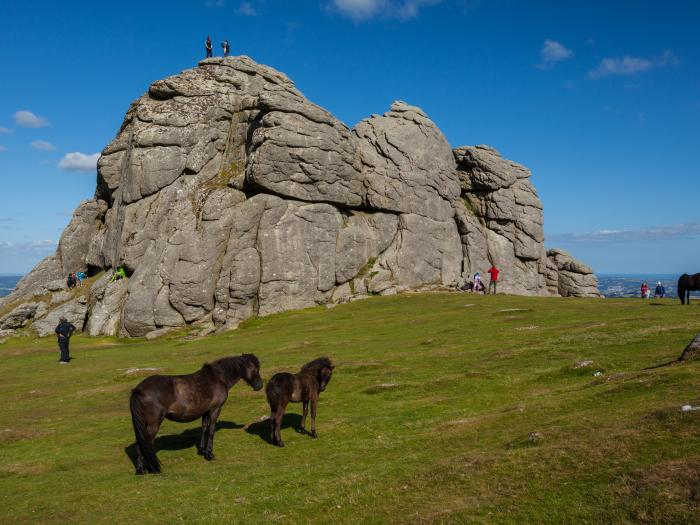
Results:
<point x="303" y="417"/>
<point x="209" y="451"/>
<point x="201" y="448"/>
<point x="314" y="402"/>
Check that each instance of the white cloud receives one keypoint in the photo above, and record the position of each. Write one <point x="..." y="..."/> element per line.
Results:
<point x="627" y="65"/>
<point x="42" y="145"/>
<point x="2" y="148"/>
<point x="27" y="119"/>
<point x="365" y="9"/>
<point x="78" y="161"/>
<point x="553" y="52"/>
<point x="13" y="248"/>
<point x="246" y="9"/>
<point x="3" y="129"/>
<point x="690" y="229"/>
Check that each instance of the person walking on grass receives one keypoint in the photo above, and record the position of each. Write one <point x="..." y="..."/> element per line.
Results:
<point x="63" y="331"/>
<point x="493" y="273"/>
<point x="645" y="290"/>
<point x="207" y="47"/>
<point x="660" y="291"/>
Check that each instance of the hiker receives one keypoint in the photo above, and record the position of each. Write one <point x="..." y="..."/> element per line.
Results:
<point x="63" y="331"/>
<point x="478" y="286"/>
<point x="70" y="282"/>
<point x="477" y="280"/>
<point x="493" y="273"/>
<point x="119" y="273"/>
<point x="80" y="277"/>
<point x="227" y="48"/>
<point x="207" y="46"/>
<point x="659" y="291"/>
<point x="645" y="290"/>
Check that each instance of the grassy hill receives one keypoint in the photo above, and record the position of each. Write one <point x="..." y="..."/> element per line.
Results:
<point x="444" y="408"/>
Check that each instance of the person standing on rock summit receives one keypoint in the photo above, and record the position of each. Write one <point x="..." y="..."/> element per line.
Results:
<point x="207" y="47"/>
<point x="493" y="273"/>
<point x="226" y="47"/>
<point x="63" y="331"/>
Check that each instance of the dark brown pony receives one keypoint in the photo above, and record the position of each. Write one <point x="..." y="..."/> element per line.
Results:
<point x="686" y="284"/>
<point x="303" y="387"/>
<point x="186" y="398"/>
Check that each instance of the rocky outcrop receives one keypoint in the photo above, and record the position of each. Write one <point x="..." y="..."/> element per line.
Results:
<point x="74" y="311"/>
<point x="692" y="351"/>
<point x="571" y="278"/>
<point x="226" y="194"/>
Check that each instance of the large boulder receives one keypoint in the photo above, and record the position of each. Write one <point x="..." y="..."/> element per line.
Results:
<point x="575" y="279"/>
<point x="21" y="315"/>
<point x="105" y="305"/>
<point x="74" y="311"/>
<point x="408" y="164"/>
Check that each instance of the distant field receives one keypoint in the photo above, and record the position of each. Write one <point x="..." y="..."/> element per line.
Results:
<point x="427" y="419"/>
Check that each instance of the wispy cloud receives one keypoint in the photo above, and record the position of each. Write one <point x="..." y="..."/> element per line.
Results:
<point x="215" y="3"/>
<point x="40" y="247"/>
<point x="246" y="9"/>
<point x="2" y="148"/>
<point x="78" y="161"/>
<point x="3" y="129"/>
<point x="553" y="52"/>
<point x="360" y="10"/>
<point x="628" y="65"/>
<point x="27" y="119"/>
<point x="690" y="229"/>
<point x="42" y="145"/>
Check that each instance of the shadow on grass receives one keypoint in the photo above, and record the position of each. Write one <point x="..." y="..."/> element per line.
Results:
<point x="187" y="439"/>
<point x="262" y="429"/>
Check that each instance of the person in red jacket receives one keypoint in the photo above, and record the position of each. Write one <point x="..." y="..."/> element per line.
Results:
<point x="493" y="272"/>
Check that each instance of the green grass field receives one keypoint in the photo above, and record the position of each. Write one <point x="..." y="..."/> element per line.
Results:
<point x="426" y="419"/>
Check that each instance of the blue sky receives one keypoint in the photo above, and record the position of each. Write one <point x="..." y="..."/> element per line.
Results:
<point x="600" y="99"/>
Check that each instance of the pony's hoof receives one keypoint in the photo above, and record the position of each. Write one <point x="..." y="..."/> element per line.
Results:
<point x="280" y="444"/>
<point x="200" y="452"/>
<point x="209" y="457"/>
<point x="313" y="434"/>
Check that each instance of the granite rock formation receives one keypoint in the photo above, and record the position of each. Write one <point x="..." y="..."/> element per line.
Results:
<point x="226" y="194"/>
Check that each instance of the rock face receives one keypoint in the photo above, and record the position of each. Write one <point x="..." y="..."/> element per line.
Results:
<point x="226" y="194"/>
<point x="571" y="278"/>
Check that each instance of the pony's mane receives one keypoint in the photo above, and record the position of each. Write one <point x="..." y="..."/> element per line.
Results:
<point x="236" y="364"/>
<point x="316" y="364"/>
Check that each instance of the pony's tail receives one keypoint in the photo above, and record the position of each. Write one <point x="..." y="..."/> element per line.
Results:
<point x="147" y="451"/>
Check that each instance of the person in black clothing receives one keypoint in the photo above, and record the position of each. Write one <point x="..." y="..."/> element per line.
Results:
<point x="63" y="331"/>
<point x="70" y="282"/>
<point x="227" y="48"/>
<point x="207" y="46"/>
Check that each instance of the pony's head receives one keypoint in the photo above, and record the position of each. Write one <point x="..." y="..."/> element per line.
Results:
<point x="322" y="368"/>
<point x="251" y="371"/>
